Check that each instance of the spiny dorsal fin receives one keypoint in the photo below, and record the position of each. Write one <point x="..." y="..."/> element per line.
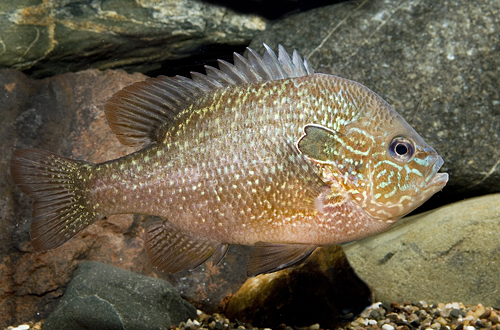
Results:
<point x="136" y="113"/>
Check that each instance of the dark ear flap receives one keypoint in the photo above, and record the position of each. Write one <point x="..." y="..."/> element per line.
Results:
<point x="318" y="143"/>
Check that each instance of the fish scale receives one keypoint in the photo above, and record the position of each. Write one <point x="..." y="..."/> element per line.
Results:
<point x="264" y="152"/>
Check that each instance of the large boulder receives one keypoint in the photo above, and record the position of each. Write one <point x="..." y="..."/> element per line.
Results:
<point x="105" y="297"/>
<point x="448" y="254"/>
<point x="436" y="62"/>
<point x="50" y="37"/>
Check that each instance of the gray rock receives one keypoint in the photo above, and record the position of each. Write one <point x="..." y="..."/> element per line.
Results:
<point x="436" y="62"/>
<point x="49" y="37"/>
<point x="105" y="297"/>
<point x="449" y="254"/>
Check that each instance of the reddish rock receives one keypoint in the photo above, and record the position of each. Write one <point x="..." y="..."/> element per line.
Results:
<point x="64" y="114"/>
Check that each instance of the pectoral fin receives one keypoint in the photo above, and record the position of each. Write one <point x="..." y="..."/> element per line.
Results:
<point x="271" y="257"/>
<point x="219" y="253"/>
<point x="171" y="250"/>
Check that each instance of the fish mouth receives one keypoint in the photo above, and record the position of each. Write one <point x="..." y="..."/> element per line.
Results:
<point x="434" y="178"/>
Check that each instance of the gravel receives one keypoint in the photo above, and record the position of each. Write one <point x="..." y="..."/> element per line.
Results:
<point x="419" y="316"/>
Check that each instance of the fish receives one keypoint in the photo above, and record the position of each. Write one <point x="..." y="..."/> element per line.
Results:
<point x="262" y="152"/>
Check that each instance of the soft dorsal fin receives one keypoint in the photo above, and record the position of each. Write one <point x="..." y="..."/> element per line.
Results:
<point x="137" y="112"/>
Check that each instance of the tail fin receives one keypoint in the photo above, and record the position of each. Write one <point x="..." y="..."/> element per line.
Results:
<point x="55" y="183"/>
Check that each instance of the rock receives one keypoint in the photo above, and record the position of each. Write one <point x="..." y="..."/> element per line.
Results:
<point x="105" y="297"/>
<point x="449" y="254"/>
<point x="50" y="37"/>
<point x="322" y="290"/>
<point x="64" y="114"/>
<point x="435" y="62"/>
<point x="209" y="287"/>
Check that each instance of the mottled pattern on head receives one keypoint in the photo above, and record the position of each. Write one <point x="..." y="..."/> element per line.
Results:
<point x="380" y="161"/>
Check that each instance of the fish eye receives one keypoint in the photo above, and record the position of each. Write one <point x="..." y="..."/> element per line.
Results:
<point x="401" y="149"/>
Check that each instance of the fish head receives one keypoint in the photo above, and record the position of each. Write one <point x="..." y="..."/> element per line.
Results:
<point x="374" y="157"/>
<point x="396" y="171"/>
<point x="402" y="176"/>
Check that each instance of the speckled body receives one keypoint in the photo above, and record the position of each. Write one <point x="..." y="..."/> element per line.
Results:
<point x="264" y="152"/>
<point x="212" y="177"/>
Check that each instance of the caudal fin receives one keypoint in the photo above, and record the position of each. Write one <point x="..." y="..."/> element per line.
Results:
<point x="55" y="183"/>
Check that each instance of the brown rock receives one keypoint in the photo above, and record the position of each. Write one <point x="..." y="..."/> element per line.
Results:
<point x="493" y="318"/>
<point x="322" y="290"/>
<point x="64" y="114"/>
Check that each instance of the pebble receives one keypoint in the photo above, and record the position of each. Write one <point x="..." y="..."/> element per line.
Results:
<point x="419" y="316"/>
<point x="387" y="327"/>
<point x="26" y="326"/>
<point x="455" y="312"/>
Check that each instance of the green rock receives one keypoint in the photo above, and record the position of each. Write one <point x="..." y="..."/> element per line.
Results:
<point x="50" y="37"/>
<point x="105" y="297"/>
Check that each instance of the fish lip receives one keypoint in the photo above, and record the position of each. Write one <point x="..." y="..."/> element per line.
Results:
<point x="434" y="178"/>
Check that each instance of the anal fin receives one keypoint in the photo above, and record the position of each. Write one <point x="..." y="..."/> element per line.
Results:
<point x="171" y="250"/>
<point x="219" y="254"/>
<point x="271" y="257"/>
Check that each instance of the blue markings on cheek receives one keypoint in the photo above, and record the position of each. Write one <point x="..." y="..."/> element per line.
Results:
<point x="383" y="172"/>
<point x="427" y="161"/>
<point x="412" y="170"/>
<point x="384" y="184"/>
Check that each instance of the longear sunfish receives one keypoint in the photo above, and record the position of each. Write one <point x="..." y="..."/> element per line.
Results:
<point x="264" y="152"/>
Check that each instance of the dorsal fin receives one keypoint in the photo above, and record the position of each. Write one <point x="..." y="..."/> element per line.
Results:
<point x="137" y="112"/>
